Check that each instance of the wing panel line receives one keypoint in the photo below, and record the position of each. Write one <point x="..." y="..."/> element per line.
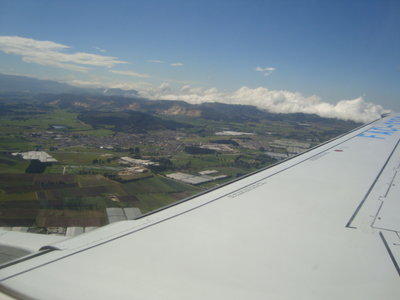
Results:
<point x="390" y="253"/>
<point x="348" y="225"/>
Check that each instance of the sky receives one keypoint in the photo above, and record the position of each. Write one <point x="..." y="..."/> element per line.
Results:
<point x="333" y="58"/>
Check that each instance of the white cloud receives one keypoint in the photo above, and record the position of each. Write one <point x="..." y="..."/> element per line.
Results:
<point x="178" y="64"/>
<point x="85" y="83"/>
<point x="265" y="71"/>
<point x="100" y="49"/>
<point x="276" y="101"/>
<point x="130" y="73"/>
<point x="49" y="53"/>
<point x="184" y="82"/>
<point x="156" y="61"/>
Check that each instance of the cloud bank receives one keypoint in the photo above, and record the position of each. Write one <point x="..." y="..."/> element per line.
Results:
<point x="52" y="54"/>
<point x="275" y="101"/>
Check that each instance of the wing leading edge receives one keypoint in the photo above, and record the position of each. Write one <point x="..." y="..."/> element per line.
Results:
<point x="321" y="225"/>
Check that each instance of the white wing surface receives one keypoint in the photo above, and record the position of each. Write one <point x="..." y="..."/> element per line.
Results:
<point x="322" y="225"/>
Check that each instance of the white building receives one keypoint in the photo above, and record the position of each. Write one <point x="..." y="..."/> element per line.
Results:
<point x="39" y="155"/>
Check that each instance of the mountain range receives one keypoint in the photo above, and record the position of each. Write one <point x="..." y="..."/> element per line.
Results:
<point x="53" y="93"/>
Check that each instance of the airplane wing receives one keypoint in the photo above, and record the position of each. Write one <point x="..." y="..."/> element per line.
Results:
<point x="322" y="225"/>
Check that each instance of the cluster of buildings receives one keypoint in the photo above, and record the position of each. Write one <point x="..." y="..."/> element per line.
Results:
<point x="138" y="162"/>
<point x="233" y="133"/>
<point x="218" y="147"/>
<point x="203" y="177"/>
<point x="135" y="165"/>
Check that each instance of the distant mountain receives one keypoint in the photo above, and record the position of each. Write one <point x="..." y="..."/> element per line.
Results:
<point x="118" y="92"/>
<point x="231" y="112"/>
<point x="28" y="85"/>
<point x="12" y="84"/>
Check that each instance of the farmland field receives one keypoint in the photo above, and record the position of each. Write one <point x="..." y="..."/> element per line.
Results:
<point x="91" y="137"/>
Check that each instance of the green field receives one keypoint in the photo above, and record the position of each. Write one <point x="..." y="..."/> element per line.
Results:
<point x="152" y="201"/>
<point x="81" y="193"/>
<point x="15" y="144"/>
<point x="12" y="164"/>
<point x="46" y="120"/>
<point x="64" y="218"/>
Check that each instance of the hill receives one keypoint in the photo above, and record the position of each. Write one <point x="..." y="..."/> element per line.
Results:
<point x="130" y="121"/>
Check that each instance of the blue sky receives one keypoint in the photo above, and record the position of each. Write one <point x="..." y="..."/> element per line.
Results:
<point x="335" y="50"/>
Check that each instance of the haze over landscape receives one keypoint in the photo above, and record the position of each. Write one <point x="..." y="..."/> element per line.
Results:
<point x="335" y="60"/>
